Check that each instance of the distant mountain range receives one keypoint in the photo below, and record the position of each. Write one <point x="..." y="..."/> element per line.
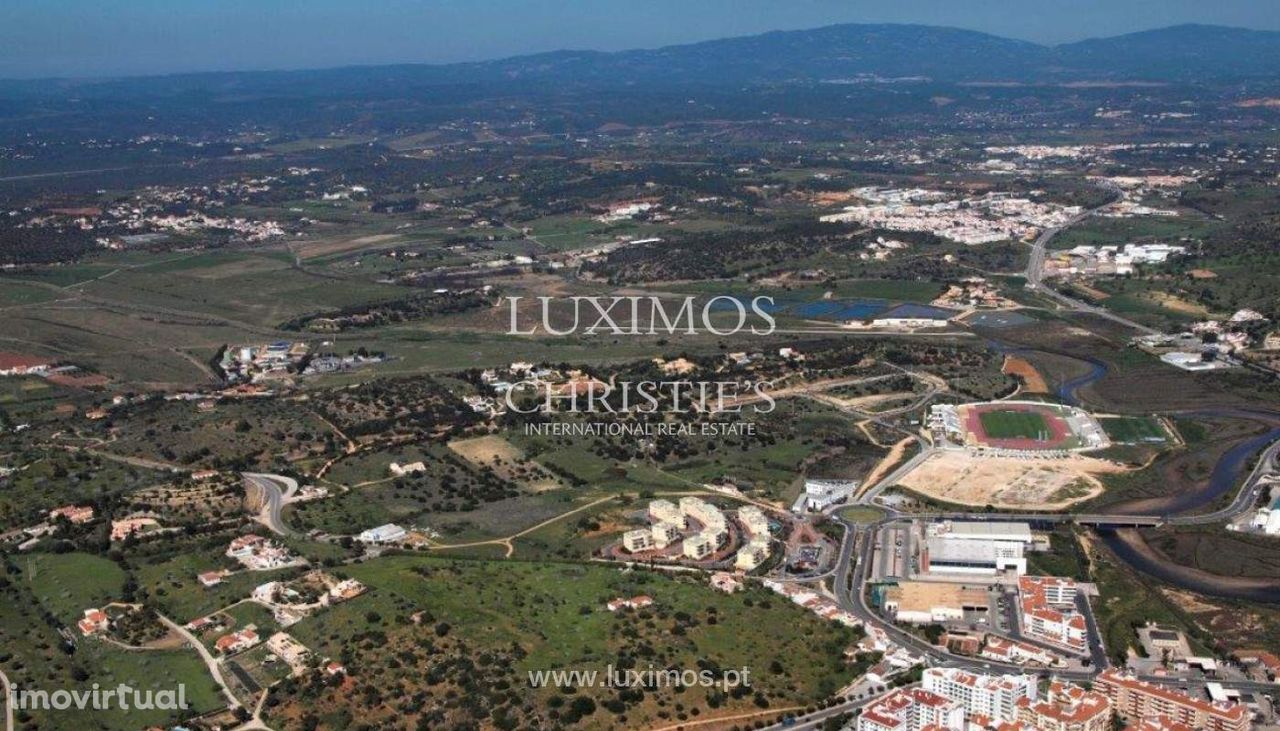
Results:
<point x="838" y="53"/>
<point x="1184" y="52"/>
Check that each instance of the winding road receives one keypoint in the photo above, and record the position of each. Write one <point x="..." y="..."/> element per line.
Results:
<point x="8" y="706"/>
<point x="214" y="668"/>
<point x="1035" y="276"/>
<point x="273" y="499"/>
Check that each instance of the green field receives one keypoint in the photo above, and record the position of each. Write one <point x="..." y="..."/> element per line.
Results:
<point x="555" y="615"/>
<point x="68" y="583"/>
<point x="1133" y="429"/>
<point x="1014" y="424"/>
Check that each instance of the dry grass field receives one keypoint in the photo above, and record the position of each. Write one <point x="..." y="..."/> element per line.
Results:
<point x="507" y="460"/>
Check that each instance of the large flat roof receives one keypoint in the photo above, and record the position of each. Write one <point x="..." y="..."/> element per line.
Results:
<point x="924" y="596"/>
<point x="993" y="528"/>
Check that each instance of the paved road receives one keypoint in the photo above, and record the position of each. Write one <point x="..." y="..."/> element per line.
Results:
<point x="898" y="473"/>
<point x="274" y="499"/>
<point x="1035" y="277"/>
<point x="8" y="707"/>
<point x="815" y="719"/>
<point x="214" y="668"/>
<point x="1247" y="498"/>
<point x="851" y="576"/>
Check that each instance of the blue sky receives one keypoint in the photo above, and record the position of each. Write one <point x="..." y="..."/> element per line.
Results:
<point x="117" y="37"/>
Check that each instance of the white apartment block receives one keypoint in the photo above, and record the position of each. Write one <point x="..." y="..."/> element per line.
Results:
<point x="912" y="709"/>
<point x="754" y="520"/>
<point x="663" y="534"/>
<point x="698" y="546"/>
<point x="752" y="555"/>
<point x="665" y="511"/>
<point x="706" y="514"/>
<point x="637" y="540"/>
<point x="993" y="696"/>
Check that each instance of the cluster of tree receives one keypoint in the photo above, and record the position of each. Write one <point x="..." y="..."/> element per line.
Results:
<point x="417" y="307"/>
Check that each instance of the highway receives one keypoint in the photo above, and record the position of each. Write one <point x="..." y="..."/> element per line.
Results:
<point x="1035" y="276"/>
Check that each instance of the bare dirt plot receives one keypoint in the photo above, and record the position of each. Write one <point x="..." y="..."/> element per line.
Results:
<point x="485" y="450"/>
<point x="1032" y="381"/>
<point x="506" y="459"/>
<point x="1040" y="484"/>
<point x="1177" y="304"/>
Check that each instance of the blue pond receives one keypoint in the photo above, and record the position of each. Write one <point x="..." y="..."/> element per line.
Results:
<point x="841" y="309"/>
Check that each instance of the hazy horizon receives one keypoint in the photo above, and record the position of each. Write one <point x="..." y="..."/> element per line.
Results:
<point x="79" y="38"/>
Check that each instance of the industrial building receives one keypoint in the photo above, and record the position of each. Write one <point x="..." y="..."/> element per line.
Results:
<point x="982" y="548"/>
<point x="922" y="602"/>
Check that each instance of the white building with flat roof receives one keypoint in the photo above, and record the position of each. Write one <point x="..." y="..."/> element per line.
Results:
<point x="822" y="494"/>
<point x="993" y="696"/>
<point x="389" y="533"/>
<point x="983" y="530"/>
<point x="976" y="556"/>
<point x="698" y="546"/>
<point x="663" y="534"/>
<point x="637" y="540"/>
<point x="976" y="547"/>
<point x="754" y="520"/>
<point x="665" y="511"/>
<point x="754" y="553"/>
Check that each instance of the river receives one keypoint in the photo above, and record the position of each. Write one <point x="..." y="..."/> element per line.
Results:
<point x="1224" y="479"/>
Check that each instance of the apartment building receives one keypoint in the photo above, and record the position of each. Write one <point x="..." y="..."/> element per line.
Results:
<point x="1066" y="707"/>
<point x="638" y="540"/>
<point x="663" y="534"/>
<point x="665" y="511"/>
<point x="993" y="696"/>
<point x="754" y="520"/>
<point x="912" y="709"/>
<point x="1049" y="614"/>
<point x="1136" y="700"/>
